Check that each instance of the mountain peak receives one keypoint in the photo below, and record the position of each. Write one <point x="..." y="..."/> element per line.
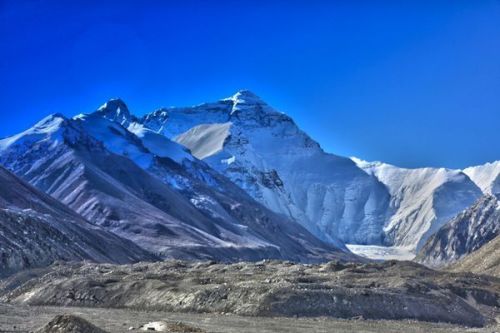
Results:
<point x="50" y="123"/>
<point x="247" y="100"/>
<point x="245" y="96"/>
<point x="115" y="110"/>
<point x="245" y="93"/>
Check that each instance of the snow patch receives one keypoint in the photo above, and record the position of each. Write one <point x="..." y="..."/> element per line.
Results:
<point x="205" y="140"/>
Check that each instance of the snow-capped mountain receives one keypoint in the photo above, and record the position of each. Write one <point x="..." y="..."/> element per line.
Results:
<point x="486" y="176"/>
<point x="36" y="230"/>
<point x="231" y="180"/>
<point x="266" y="154"/>
<point x="422" y="200"/>
<point x="464" y="234"/>
<point x="143" y="187"/>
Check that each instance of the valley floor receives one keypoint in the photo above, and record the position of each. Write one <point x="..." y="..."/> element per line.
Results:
<point x="15" y="318"/>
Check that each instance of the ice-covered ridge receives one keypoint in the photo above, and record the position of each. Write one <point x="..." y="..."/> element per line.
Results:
<point x="127" y="137"/>
<point x="50" y="126"/>
<point x="115" y="138"/>
<point x="422" y="199"/>
<point x="486" y="176"/>
<point x="159" y="145"/>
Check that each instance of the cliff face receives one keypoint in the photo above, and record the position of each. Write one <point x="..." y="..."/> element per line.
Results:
<point x="464" y="234"/>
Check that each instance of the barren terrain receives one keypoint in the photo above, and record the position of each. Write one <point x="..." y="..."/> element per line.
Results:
<point x="391" y="290"/>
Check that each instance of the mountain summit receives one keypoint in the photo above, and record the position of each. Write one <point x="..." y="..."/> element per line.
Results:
<point x="247" y="100"/>
<point x="115" y="110"/>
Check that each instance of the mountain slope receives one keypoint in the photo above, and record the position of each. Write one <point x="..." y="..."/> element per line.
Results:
<point x="267" y="155"/>
<point x="36" y="230"/>
<point x="422" y="200"/>
<point x="464" y="234"/>
<point x="105" y="172"/>
<point x="485" y="260"/>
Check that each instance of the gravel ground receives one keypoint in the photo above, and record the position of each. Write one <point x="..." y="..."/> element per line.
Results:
<point x="14" y="318"/>
<point x="377" y="291"/>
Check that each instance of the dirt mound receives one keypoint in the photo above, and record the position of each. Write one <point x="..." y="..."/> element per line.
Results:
<point x="69" y="324"/>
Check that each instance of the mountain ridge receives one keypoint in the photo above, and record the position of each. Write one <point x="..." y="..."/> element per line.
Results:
<point x="172" y="208"/>
<point x="246" y="148"/>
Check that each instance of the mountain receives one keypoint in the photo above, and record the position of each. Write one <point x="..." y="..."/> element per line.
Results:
<point x="265" y="153"/>
<point x="233" y="179"/>
<point x="36" y="230"/>
<point x="485" y="260"/>
<point x="464" y="234"/>
<point x="143" y="187"/>
<point x="422" y="200"/>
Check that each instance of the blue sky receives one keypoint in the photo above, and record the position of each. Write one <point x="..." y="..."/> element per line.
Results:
<point x="413" y="83"/>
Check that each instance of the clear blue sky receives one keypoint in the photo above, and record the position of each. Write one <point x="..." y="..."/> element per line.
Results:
<point x="414" y="84"/>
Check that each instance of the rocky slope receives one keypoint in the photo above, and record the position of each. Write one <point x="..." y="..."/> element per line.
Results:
<point x="36" y="230"/>
<point x="464" y="234"/>
<point x="485" y="260"/>
<point x="390" y="290"/>
<point x="143" y="187"/>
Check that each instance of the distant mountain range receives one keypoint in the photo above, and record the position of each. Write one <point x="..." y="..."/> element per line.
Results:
<point x="232" y="180"/>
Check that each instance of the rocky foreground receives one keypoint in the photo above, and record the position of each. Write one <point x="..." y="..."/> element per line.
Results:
<point x="24" y="319"/>
<point x="391" y="290"/>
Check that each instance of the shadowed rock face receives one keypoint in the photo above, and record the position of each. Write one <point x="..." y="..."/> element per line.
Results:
<point x="464" y="234"/>
<point x="392" y="290"/>
<point x="36" y="230"/>
<point x="70" y="324"/>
